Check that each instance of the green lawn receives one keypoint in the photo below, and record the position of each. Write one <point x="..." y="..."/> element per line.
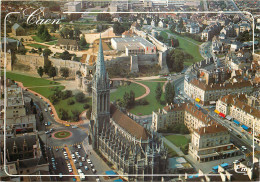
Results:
<point x="164" y="35"/>
<point x="153" y="104"/>
<point x="46" y="91"/>
<point x="119" y="93"/>
<point x="171" y="153"/>
<point x="37" y="46"/>
<point x="177" y="140"/>
<point x="38" y="39"/>
<point x="189" y="47"/>
<point x="52" y="42"/>
<point x="77" y="106"/>
<point x="29" y="81"/>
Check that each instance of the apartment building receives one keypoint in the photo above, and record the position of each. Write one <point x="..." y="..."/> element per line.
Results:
<point x="211" y="143"/>
<point x="168" y="116"/>
<point x="236" y="106"/>
<point x="17" y="120"/>
<point x="186" y="113"/>
<point x="208" y="93"/>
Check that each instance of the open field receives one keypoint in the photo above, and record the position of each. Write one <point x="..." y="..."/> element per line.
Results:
<point x="119" y="93"/>
<point x="37" y="46"/>
<point x="190" y="46"/>
<point x="29" y="81"/>
<point x="178" y="140"/>
<point x="153" y="104"/>
<point x="38" y="39"/>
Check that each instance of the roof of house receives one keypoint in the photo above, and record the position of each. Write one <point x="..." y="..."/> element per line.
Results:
<point x="128" y="124"/>
<point x="239" y="101"/>
<point x="67" y="42"/>
<point x="175" y="107"/>
<point x="206" y="87"/>
<point x="19" y="141"/>
<point x="16" y="26"/>
<point x="215" y="128"/>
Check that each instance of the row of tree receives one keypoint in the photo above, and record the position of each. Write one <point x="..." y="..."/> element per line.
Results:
<point x="68" y="33"/>
<point x="169" y="93"/>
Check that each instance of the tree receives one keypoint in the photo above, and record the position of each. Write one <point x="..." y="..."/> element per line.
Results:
<point x="46" y="52"/>
<point x="118" y="28"/>
<point x="126" y="100"/>
<point x="65" y="55"/>
<point x="70" y="102"/>
<point x="52" y="72"/>
<point x="54" y="99"/>
<point x="158" y="92"/>
<point x="132" y="98"/>
<point x="75" y="115"/>
<point x="64" y="72"/>
<point x="180" y="25"/>
<point x="88" y="114"/>
<point x="80" y="97"/>
<point x="82" y="41"/>
<point x="86" y="106"/>
<point x="66" y="94"/>
<point x="64" y="114"/>
<point x="76" y="33"/>
<point x="40" y="71"/>
<point x="169" y="93"/>
<point x="104" y="17"/>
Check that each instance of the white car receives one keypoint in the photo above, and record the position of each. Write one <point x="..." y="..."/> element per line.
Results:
<point x="79" y="171"/>
<point x="76" y="153"/>
<point x="91" y="165"/>
<point x="82" y="176"/>
<point x="45" y="110"/>
<point x="73" y="156"/>
<point x="236" y="162"/>
<point x="83" y="159"/>
<point x="94" y="170"/>
<point x="79" y="147"/>
<point x="89" y="161"/>
<point x="74" y="126"/>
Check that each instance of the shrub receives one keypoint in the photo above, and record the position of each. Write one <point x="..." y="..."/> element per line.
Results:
<point x="142" y="102"/>
<point x="86" y="106"/>
<point x="80" y="97"/>
<point x="70" y="102"/>
<point x="66" y="94"/>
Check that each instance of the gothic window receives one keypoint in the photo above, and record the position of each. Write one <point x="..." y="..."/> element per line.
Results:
<point x="105" y="103"/>
<point x="100" y="103"/>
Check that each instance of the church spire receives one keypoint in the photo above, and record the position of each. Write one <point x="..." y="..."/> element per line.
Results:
<point x="100" y="64"/>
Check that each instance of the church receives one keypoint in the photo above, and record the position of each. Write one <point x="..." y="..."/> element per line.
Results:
<point x="134" y="151"/>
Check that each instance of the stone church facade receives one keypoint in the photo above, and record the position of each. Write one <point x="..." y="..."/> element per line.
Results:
<point x="132" y="149"/>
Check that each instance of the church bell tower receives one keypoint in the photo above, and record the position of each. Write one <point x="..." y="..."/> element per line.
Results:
<point x="100" y="96"/>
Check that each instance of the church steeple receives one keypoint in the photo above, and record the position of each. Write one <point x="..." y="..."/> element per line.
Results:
<point x="100" y="96"/>
<point x="100" y="64"/>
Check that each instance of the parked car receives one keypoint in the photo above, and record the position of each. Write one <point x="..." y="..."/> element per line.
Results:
<point x="83" y="159"/>
<point x="80" y="164"/>
<point x="86" y="168"/>
<point x="89" y="161"/>
<point x="74" y="126"/>
<point x="79" y="147"/>
<point x="91" y="165"/>
<point x="45" y="110"/>
<point x="60" y="175"/>
<point x="236" y="162"/>
<point x="73" y="156"/>
<point x="94" y="170"/>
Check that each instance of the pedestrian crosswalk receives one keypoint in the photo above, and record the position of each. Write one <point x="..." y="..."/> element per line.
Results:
<point x="251" y="153"/>
<point x="71" y="145"/>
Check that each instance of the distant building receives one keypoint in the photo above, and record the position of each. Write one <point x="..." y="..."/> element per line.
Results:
<point x="205" y="93"/>
<point x="211" y="143"/>
<point x="193" y="28"/>
<point x="161" y="24"/>
<point x="17" y="30"/>
<point x="68" y="44"/>
<point x="133" y="45"/>
<point x="72" y="6"/>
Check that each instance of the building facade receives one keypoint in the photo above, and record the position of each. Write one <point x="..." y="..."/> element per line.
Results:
<point x="211" y="143"/>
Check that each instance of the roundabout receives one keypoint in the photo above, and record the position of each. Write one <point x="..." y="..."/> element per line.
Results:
<point x="62" y="134"/>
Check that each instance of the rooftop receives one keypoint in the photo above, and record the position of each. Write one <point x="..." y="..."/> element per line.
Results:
<point x="215" y="128"/>
<point x="132" y="40"/>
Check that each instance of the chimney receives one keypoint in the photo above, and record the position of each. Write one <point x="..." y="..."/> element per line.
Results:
<point x="204" y="130"/>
